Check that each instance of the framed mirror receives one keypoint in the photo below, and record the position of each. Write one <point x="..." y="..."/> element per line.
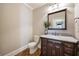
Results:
<point x="57" y="20"/>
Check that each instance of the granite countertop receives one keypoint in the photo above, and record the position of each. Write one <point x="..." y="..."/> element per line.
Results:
<point x="63" y="38"/>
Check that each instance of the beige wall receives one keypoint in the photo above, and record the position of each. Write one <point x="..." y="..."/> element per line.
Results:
<point x="40" y="15"/>
<point x="15" y="27"/>
<point x="0" y="26"/>
<point x="9" y="28"/>
<point x="77" y="20"/>
<point x="25" y="24"/>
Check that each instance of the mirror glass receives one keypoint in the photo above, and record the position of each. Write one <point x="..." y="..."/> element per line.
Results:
<point x="57" y="20"/>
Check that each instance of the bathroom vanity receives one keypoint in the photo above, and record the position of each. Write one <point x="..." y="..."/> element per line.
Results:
<point x="58" y="45"/>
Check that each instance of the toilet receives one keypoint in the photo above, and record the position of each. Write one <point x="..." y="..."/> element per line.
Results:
<point x="33" y="46"/>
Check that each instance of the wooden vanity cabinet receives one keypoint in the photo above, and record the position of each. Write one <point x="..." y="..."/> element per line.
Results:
<point x="51" y="47"/>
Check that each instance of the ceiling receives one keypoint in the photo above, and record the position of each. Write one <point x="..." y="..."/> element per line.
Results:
<point x="35" y="5"/>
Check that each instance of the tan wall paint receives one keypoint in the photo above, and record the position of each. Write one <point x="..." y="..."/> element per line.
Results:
<point x="9" y="28"/>
<point x="26" y="25"/>
<point x="0" y="25"/>
<point x="15" y="17"/>
<point x="40" y="15"/>
<point x="77" y="21"/>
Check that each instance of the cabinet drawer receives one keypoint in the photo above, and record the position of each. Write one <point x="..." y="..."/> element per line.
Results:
<point x="53" y="41"/>
<point x="69" y="45"/>
<point x="78" y="45"/>
<point x="68" y="50"/>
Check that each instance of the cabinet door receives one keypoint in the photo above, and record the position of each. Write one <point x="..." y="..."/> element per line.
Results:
<point x="53" y="51"/>
<point x="50" y="49"/>
<point x="43" y="47"/>
<point x="58" y="50"/>
<point x="54" y="48"/>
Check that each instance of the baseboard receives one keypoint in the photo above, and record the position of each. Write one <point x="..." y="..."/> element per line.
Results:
<point x="13" y="53"/>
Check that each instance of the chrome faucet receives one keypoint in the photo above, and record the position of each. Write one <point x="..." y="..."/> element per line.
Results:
<point x="55" y="33"/>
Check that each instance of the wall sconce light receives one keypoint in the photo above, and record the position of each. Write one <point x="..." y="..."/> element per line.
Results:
<point x="76" y="18"/>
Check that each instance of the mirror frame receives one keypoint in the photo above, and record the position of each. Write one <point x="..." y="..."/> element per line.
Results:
<point x="65" y="19"/>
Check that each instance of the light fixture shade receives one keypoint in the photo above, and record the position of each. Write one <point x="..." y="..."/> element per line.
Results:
<point x="53" y="6"/>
